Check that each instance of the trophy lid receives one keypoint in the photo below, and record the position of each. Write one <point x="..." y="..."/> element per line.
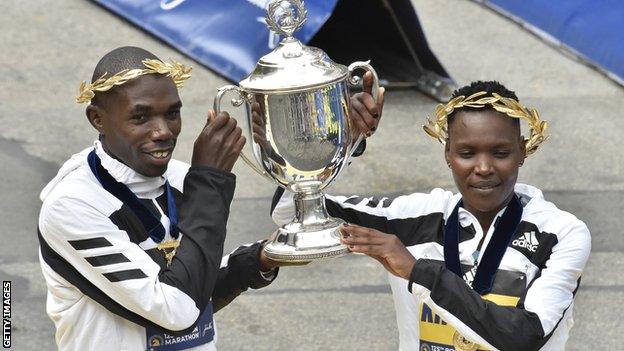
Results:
<point x="292" y="65"/>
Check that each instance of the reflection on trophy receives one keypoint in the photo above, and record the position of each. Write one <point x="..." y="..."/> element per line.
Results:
<point x="297" y="107"/>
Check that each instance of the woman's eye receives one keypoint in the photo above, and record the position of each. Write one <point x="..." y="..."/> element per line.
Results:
<point x="139" y="118"/>
<point x="501" y="154"/>
<point x="465" y="154"/>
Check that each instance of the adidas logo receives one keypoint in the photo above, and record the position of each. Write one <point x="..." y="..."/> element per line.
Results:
<point x="528" y="241"/>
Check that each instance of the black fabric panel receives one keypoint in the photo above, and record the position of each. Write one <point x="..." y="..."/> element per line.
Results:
<point x="543" y="250"/>
<point x="506" y="328"/>
<point x="125" y="219"/>
<point x="509" y="283"/>
<point x="93" y="243"/>
<point x="162" y="202"/>
<point x="428" y="227"/>
<point x="157" y="256"/>
<point x="152" y="208"/>
<point x="69" y="273"/>
<point x="105" y="260"/>
<point x="203" y="214"/>
<point x="241" y="273"/>
<point x="124" y="275"/>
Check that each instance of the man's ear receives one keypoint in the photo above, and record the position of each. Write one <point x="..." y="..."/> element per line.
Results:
<point x="446" y="153"/>
<point x="95" y="115"/>
<point x="522" y="149"/>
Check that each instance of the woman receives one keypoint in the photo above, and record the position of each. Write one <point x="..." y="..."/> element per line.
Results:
<point x="493" y="267"/>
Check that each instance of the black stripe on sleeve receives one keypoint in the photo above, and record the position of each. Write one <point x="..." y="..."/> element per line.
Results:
<point x="411" y="230"/>
<point x="93" y="243"/>
<point x="125" y="275"/>
<point x="504" y="327"/>
<point x="105" y="260"/>
<point x="59" y="265"/>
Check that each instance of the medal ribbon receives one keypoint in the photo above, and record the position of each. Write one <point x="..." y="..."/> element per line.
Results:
<point x="150" y="221"/>
<point x="493" y="255"/>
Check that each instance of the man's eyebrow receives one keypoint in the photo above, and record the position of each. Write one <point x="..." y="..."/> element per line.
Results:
<point x="175" y="106"/>
<point x="140" y="109"/>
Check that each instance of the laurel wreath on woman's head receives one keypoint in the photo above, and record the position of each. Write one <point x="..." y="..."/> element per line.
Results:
<point x="173" y="69"/>
<point x="438" y="128"/>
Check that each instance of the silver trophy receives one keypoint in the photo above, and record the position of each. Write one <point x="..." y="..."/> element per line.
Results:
<point x="297" y="102"/>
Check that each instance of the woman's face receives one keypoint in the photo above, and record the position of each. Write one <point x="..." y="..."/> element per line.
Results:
<point x="484" y="150"/>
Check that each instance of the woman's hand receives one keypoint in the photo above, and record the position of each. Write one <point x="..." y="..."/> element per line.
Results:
<point x="385" y="248"/>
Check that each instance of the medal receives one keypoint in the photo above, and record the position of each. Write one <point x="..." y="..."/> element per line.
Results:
<point x="169" y="248"/>
<point x="149" y="220"/>
<point x="463" y="344"/>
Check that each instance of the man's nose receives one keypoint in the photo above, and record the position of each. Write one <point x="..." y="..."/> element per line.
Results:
<point x="160" y="130"/>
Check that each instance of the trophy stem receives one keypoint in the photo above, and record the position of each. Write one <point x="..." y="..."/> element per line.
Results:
<point x="311" y="235"/>
<point x="310" y="208"/>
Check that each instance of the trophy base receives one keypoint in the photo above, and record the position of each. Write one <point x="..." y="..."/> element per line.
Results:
<point x="295" y="242"/>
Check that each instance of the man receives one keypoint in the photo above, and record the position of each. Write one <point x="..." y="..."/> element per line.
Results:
<point x="494" y="267"/>
<point x="131" y="241"/>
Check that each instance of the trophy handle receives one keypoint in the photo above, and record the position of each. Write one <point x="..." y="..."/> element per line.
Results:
<point x="355" y="80"/>
<point x="236" y="103"/>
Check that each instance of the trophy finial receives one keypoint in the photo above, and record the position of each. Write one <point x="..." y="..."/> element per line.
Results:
<point x="286" y="16"/>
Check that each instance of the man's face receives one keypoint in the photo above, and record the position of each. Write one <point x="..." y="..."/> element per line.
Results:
<point x="141" y="122"/>
<point x="484" y="150"/>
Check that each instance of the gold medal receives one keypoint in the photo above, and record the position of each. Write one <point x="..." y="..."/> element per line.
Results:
<point x="169" y="248"/>
<point x="463" y="344"/>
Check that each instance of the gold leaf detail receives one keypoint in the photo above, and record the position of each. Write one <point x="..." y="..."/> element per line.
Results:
<point x="173" y="69"/>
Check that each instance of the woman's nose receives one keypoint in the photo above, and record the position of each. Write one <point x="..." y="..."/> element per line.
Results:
<point x="484" y="166"/>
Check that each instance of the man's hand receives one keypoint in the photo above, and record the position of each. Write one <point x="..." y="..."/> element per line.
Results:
<point x="385" y="248"/>
<point x="219" y="143"/>
<point x="364" y="111"/>
<point x="267" y="264"/>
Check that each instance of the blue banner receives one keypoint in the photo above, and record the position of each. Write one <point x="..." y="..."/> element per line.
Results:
<point x="228" y="36"/>
<point x="593" y="30"/>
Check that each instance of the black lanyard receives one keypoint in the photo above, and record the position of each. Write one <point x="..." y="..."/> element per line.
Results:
<point x="150" y="221"/>
<point x="493" y="255"/>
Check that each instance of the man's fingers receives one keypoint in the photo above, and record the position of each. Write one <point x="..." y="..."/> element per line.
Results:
<point x="228" y="127"/>
<point x="380" y="100"/>
<point x="211" y="116"/>
<point x="258" y="130"/>
<point x="360" y="115"/>
<point x="367" y="82"/>
<point x="370" y="103"/>
<point x="371" y="116"/>
<point x="239" y="144"/>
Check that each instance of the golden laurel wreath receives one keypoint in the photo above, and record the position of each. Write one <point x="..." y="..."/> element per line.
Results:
<point x="438" y="128"/>
<point x="177" y="71"/>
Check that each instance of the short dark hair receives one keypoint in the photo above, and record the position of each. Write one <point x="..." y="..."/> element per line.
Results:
<point x="489" y="87"/>
<point x="117" y="60"/>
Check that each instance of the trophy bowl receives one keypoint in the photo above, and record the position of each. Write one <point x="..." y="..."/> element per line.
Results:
<point x="297" y="103"/>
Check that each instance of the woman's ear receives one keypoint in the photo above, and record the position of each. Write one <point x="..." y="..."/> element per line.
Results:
<point x="95" y="117"/>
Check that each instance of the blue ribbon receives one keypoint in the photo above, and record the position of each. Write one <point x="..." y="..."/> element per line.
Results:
<point x="493" y="255"/>
<point x="150" y="221"/>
